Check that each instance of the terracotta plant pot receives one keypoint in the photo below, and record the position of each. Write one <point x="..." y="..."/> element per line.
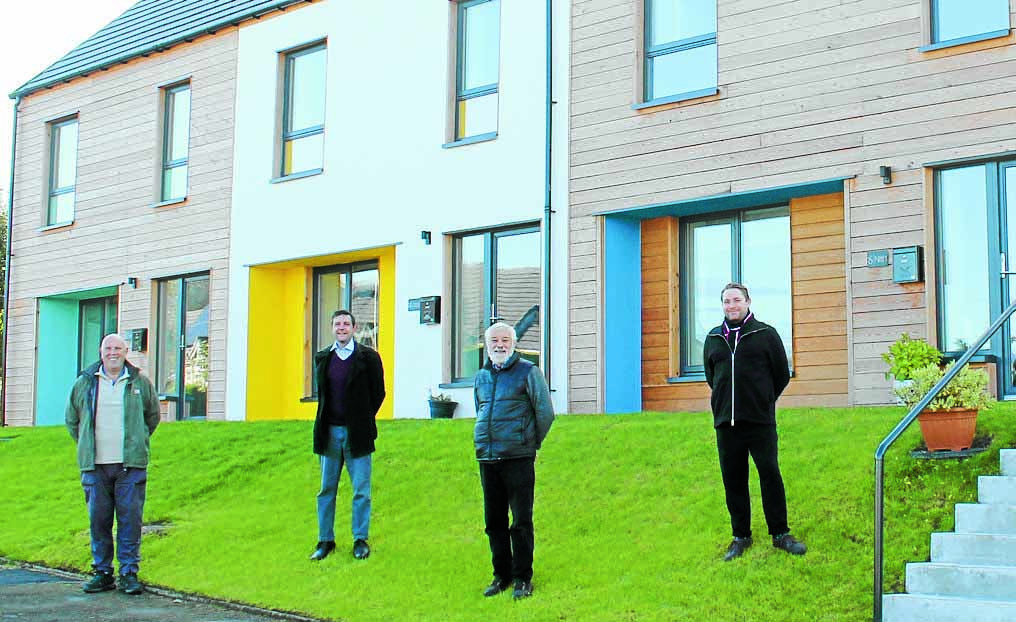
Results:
<point x="951" y="429"/>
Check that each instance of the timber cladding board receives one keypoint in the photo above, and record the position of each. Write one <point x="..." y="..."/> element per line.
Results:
<point x="820" y="318"/>
<point x="116" y="232"/>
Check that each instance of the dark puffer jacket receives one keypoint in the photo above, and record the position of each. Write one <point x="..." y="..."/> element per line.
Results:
<point x="747" y="379"/>
<point x="513" y="410"/>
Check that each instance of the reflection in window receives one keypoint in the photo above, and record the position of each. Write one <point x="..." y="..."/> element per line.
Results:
<point x="963" y="278"/>
<point x="303" y="111"/>
<point x="497" y="278"/>
<point x="681" y="54"/>
<point x="478" y="52"/>
<point x="751" y="247"/>
<point x="175" y="142"/>
<point x="955" y="19"/>
<point x="63" y="171"/>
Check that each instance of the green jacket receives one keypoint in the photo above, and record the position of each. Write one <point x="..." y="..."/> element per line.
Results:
<point x="140" y="417"/>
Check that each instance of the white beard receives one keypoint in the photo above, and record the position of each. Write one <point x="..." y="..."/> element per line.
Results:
<point x="499" y="358"/>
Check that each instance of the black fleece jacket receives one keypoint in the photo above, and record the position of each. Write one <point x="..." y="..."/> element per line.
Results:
<point x="746" y="377"/>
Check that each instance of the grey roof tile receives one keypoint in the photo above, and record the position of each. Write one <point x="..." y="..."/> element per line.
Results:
<point x="149" y="26"/>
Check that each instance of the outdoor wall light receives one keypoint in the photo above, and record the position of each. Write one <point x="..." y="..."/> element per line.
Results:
<point x="425" y="236"/>
<point x="133" y="282"/>
<point x="887" y="174"/>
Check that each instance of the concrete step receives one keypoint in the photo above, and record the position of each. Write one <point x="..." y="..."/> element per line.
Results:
<point x="979" y="582"/>
<point x="914" y="608"/>
<point x="996" y="489"/>
<point x="985" y="518"/>
<point x="1007" y="458"/>
<point x="974" y="548"/>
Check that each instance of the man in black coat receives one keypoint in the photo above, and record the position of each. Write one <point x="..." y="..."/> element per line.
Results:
<point x="351" y="387"/>
<point x="746" y="368"/>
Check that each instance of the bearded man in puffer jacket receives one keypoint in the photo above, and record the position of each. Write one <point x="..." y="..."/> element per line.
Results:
<point x="513" y="416"/>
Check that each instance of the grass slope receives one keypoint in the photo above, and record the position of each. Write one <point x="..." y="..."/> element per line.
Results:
<point x="630" y="519"/>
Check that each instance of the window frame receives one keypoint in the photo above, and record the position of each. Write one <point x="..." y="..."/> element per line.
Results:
<point x="462" y="94"/>
<point x="490" y="237"/>
<point x="932" y="37"/>
<point x="161" y="346"/>
<point x="653" y="52"/>
<point x="55" y="152"/>
<point x="736" y="218"/>
<point x="168" y="93"/>
<point x="287" y="134"/>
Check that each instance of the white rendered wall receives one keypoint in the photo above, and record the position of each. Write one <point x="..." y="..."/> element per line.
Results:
<point x="385" y="176"/>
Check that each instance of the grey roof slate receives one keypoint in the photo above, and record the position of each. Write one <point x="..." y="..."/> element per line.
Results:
<point x="149" y="26"/>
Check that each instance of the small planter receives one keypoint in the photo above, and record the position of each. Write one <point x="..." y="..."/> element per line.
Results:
<point x="951" y="429"/>
<point x="442" y="410"/>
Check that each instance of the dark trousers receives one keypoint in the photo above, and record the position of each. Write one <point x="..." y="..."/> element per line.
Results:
<point x="508" y="484"/>
<point x="735" y="444"/>
<point x="111" y="490"/>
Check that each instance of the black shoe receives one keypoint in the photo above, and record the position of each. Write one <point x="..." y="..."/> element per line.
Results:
<point x="737" y="548"/>
<point x="323" y="550"/>
<point x="100" y="582"/>
<point x="496" y="587"/>
<point x="361" y="550"/>
<point x="789" y="544"/>
<point x="129" y="584"/>
<point x="523" y="589"/>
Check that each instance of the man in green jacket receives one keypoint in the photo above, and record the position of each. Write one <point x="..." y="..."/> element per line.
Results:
<point x="112" y="411"/>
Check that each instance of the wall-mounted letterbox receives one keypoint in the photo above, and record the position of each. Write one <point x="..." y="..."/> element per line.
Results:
<point x="430" y="310"/>
<point x="138" y="339"/>
<point x="908" y="264"/>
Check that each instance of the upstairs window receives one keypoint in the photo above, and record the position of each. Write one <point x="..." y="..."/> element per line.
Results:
<point x="175" y="141"/>
<point x="478" y="53"/>
<point x="303" y="111"/>
<point x="63" y="171"/>
<point x="680" y="46"/>
<point x="960" y="19"/>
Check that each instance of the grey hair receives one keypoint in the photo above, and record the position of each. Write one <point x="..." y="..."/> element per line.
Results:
<point x="498" y="326"/>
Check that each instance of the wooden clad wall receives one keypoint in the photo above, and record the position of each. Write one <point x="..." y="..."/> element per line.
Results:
<point x="116" y="233"/>
<point x="808" y="90"/>
<point x="818" y="248"/>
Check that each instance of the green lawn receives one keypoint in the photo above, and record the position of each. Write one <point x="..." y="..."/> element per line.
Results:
<point x="630" y="520"/>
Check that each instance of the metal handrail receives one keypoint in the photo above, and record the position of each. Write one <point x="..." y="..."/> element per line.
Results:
<point x="898" y="431"/>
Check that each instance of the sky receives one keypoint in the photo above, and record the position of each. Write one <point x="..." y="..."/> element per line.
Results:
<point x="33" y="35"/>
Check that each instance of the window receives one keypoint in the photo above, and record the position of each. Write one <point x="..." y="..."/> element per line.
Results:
<point x="478" y="54"/>
<point x="349" y="286"/>
<point x="496" y="278"/>
<point x="681" y="57"/>
<point x="751" y="247"/>
<point x="63" y="171"/>
<point x="960" y="19"/>
<point x="175" y="141"/>
<point x="181" y="349"/>
<point x="96" y="319"/>
<point x="303" y="111"/>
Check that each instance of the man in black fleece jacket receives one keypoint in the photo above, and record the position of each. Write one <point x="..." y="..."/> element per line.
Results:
<point x="746" y="368"/>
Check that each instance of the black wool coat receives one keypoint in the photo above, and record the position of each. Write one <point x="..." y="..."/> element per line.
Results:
<point x="365" y="391"/>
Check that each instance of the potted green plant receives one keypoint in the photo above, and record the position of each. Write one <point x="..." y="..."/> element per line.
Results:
<point x="906" y="355"/>
<point x="949" y="421"/>
<point x="442" y="406"/>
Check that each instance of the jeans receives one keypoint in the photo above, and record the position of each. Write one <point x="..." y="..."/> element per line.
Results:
<point x="735" y="444"/>
<point x="112" y="489"/>
<point x="359" y="476"/>
<point x="509" y="484"/>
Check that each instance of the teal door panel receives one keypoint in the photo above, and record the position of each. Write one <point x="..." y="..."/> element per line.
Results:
<point x="57" y="362"/>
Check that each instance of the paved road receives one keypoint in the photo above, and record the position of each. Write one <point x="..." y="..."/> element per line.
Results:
<point x="32" y="595"/>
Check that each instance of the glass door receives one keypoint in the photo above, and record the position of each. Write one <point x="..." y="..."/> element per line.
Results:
<point x="1007" y="194"/>
<point x="96" y="319"/>
<point x="353" y="287"/>
<point x="182" y="346"/>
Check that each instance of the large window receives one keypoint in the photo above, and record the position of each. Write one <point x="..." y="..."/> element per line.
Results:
<point x="175" y="141"/>
<point x="63" y="171"/>
<point x="477" y="49"/>
<point x="303" y="111"/>
<point x="350" y="286"/>
<point x="960" y="19"/>
<point x="751" y="247"/>
<point x="497" y="278"/>
<point x="680" y="45"/>
<point x="182" y="356"/>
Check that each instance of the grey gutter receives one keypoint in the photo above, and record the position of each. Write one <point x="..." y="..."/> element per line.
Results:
<point x="547" y="209"/>
<point x="7" y="269"/>
<point x="159" y="46"/>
